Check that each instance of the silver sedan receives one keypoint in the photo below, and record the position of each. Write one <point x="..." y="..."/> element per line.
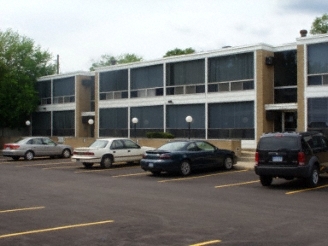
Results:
<point x="30" y="147"/>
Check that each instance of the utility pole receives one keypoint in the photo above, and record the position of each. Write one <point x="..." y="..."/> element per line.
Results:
<point x="57" y="64"/>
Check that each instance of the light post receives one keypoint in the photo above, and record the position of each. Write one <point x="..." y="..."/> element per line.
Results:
<point x="91" y="122"/>
<point x="135" y="121"/>
<point x="189" y="120"/>
<point x="28" y="124"/>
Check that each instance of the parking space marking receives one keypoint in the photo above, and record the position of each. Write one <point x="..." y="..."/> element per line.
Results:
<point x="201" y="176"/>
<point x="237" y="184"/>
<point x="206" y="243"/>
<point x="46" y="168"/>
<point x="42" y="164"/>
<point x="307" y="189"/>
<point x="55" y="229"/>
<point x="127" y="175"/>
<point x="103" y="169"/>
<point x="20" y="209"/>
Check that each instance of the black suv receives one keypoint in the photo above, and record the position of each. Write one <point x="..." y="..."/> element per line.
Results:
<point x="291" y="155"/>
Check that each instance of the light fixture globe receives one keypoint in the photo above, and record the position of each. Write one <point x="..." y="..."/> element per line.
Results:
<point x="135" y="120"/>
<point x="91" y="121"/>
<point x="189" y="119"/>
<point x="27" y="122"/>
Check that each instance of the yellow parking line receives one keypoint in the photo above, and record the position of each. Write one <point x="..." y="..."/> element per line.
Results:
<point x="103" y="169"/>
<point x="236" y="184"/>
<point x="202" y="176"/>
<point x="55" y="228"/>
<point x="20" y="209"/>
<point x="47" y="164"/>
<point x="46" y="168"/>
<point x="206" y="243"/>
<point x="303" y="190"/>
<point x="127" y="175"/>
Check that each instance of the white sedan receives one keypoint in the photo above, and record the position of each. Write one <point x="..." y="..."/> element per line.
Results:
<point x="107" y="151"/>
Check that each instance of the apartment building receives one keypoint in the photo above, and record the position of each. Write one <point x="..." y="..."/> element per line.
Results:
<point x="230" y="93"/>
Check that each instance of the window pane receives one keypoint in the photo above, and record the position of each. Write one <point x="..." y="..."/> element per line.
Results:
<point x="230" y="68"/>
<point x="185" y="73"/>
<point x="113" y="81"/>
<point x="318" y="58"/>
<point x="176" y="116"/>
<point x="285" y="95"/>
<point x="147" y="77"/>
<point x="148" y="117"/>
<point x="285" y="68"/>
<point x="64" y="87"/>
<point x="314" y="80"/>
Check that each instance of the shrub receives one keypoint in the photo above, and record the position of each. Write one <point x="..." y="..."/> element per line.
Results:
<point x="159" y="135"/>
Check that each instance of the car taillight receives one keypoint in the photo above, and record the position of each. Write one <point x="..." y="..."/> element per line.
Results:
<point x="257" y="158"/>
<point x="301" y="158"/>
<point x="165" y="156"/>
<point x="11" y="146"/>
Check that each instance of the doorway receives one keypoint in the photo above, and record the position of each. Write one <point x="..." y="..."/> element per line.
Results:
<point x="285" y="121"/>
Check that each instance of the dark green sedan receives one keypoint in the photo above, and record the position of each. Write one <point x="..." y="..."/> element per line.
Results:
<point x="185" y="156"/>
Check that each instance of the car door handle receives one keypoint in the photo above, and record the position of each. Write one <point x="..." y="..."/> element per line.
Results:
<point x="129" y="150"/>
<point x="114" y="151"/>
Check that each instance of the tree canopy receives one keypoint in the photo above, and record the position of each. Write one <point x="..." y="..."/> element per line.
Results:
<point x="320" y="25"/>
<point x="21" y="64"/>
<point x="177" y="52"/>
<point x="109" y="60"/>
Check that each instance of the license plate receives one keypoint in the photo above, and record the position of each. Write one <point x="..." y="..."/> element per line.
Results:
<point x="277" y="158"/>
<point x="151" y="165"/>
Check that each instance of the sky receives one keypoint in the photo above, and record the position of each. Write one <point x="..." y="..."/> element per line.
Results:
<point x="81" y="31"/>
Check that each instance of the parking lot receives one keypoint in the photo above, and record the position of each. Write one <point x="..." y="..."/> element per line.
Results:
<point x="59" y="202"/>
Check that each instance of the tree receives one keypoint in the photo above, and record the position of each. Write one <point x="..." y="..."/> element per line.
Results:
<point x="21" y="63"/>
<point x="108" y="60"/>
<point x="320" y="25"/>
<point x="177" y="52"/>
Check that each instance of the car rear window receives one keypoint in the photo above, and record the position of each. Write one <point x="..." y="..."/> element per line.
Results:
<point x="278" y="143"/>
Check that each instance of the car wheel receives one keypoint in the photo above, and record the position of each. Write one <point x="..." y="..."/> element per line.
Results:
<point x="313" y="180"/>
<point x="266" y="180"/>
<point x="29" y="155"/>
<point x="228" y="163"/>
<point x="87" y="165"/>
<point x="185" y="168"/>
<point x="106" y="162"/>
<point x="15" y="158"/>
<point x="66" y="153"/>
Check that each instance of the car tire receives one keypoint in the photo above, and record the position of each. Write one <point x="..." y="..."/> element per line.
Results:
<point x="266" y="180"/>
<point x="106" y="162"/>
<point x="87" y="165"/>
<point x="29" y="155"/>
<point x="185" y="168"/>
<point x="15" y="158"/>
<point x="66" y="153"/>
<point x="228" y="163"/>
<point x="313" y="180"/>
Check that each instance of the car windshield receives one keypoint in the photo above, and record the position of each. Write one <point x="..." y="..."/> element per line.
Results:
<point x="99" y="144"/>
<point x="173" y="146"/>
<point x="278" y="143"/>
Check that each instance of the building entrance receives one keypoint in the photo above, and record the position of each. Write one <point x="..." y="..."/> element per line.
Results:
<point x="285" y="121"/>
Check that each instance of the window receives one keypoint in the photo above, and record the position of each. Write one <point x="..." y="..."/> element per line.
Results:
<point x="231" y="120"/>
<point x="318" y="64"/>
<point x="113" y="122"/>
<point x="115" y="82"/>
<point x="185" y="73"/>
<point x="63" y="123"/>
<point x="317" y="110"/>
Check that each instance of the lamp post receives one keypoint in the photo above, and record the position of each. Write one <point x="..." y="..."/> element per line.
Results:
<point x="135" y="121"/>
<point x="189" y="120"/>
<point x="91" y="122"/>
<point x="28" y="124"/>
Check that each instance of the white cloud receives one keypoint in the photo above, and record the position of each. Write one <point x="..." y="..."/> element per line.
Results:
<point x="80" y="31"/>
